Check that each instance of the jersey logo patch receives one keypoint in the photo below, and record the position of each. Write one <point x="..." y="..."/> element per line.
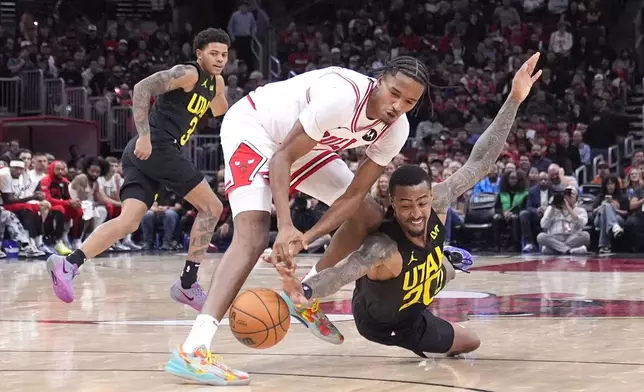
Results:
<point x="370" y="136"/>
<point x="204" y="84"/>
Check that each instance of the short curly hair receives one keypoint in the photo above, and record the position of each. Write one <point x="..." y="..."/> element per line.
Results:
<point x="208" y="36"/>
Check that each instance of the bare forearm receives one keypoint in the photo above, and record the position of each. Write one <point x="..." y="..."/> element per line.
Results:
<point x="376" y="249"/>
<point x="280" y="182"/>
<point x="337" y="214"/>
<point x="485" y="152"/>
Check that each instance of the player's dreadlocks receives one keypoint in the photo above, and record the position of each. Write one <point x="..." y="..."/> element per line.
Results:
<point x="408" y="66"/>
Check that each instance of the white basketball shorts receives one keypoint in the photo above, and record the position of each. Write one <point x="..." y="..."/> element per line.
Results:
<point x="248" y="149"/>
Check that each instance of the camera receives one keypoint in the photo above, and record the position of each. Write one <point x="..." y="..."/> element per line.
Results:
<point x="557" y="200"/>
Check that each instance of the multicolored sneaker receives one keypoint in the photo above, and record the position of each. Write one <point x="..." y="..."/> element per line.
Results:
<point x="62" y="272"/>
<point x="315" y="320"/>
<point x="62" y="249"/>
<point x="201" y="366"/>
<point x="194" y="297"/>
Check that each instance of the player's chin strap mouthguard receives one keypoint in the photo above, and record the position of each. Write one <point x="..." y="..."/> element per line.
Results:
<point x="459" y="258"/>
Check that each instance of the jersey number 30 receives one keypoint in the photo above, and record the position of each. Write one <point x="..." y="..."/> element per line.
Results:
<point x="198" y="106"/>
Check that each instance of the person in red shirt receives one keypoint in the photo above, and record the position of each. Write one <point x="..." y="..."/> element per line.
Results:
<point x="55" y="187"/>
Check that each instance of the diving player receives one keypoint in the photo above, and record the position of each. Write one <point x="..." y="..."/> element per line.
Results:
<point x="400" y="268"/>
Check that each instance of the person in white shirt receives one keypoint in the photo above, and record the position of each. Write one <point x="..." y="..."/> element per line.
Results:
<point x="16" y="200"/>
<point x="39" y="163"/>
<point x="563" y="223"/>
<point x="561" y="40"/>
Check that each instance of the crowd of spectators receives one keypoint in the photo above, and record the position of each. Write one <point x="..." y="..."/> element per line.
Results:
<point x="50" y="205"/>
<point x="472" y="48"/>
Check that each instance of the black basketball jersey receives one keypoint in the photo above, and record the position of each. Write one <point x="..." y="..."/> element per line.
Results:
<point x="177" y="112"/>
<point x="394" y="302"/>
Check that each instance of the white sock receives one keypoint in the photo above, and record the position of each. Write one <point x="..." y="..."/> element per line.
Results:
<point x="203" y="330"/>
<point x="311" y="273"/>
<point x="38" y="241"/>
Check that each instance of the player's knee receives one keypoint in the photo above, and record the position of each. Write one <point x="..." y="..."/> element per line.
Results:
<point x="210" y="205"/>
<point x="251" y="231"/>
<point x="129" y="223"/>
<point x="369" y="215"/>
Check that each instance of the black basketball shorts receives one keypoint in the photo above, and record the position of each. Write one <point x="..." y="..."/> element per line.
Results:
<point x="165" y="167"/>
<point x="426" y="334"/>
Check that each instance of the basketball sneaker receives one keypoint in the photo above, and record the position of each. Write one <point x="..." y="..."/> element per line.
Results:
<point x="194" y="297"/>
<point x="315" y="320"/>
<point x="62" y="272"/>
<point x="201" y="366"/>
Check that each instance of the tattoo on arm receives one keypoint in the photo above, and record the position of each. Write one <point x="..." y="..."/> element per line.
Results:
<point x="485" y="152"/>
<point x="153" y="85"/>
<point x="375" y="250"/>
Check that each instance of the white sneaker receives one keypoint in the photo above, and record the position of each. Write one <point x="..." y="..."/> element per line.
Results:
<point x="3" y="255"/>
<point x="617" y="230"/>
<point x="581" y="250"/>
<point x="529" y="248"/>
<point x="130" y="244"/>
<point x="120" y="247"/>
<point x="30" y="250"/>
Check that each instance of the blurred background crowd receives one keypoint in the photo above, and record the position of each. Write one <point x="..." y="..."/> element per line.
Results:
<point x="569" y="179"/>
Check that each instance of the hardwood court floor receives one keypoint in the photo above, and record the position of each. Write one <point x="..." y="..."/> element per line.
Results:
<point x="546" y="324"/>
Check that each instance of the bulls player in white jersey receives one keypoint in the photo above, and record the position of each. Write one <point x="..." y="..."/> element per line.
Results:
<point x="290" y="132"/>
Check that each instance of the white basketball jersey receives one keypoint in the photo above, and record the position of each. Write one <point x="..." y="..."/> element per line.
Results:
<point x="331" y="105"/>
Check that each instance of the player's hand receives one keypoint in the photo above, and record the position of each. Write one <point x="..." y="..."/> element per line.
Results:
<point x="288" y="240"/>
<point x="38" y="195"/>
<point x="143" y="148"/>
<point x="525" y="78"/>
<point x="75" y="204"/>
<point x="291" y="285"/>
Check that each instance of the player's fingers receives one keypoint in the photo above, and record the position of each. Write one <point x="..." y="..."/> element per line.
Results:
<point x="536" y="76"/>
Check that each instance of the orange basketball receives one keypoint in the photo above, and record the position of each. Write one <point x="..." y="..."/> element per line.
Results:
<point x="259" y="318"/>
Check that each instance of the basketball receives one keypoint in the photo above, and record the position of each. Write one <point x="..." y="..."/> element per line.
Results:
<point x="259" y="318"/>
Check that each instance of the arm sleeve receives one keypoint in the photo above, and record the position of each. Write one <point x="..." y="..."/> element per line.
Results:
<point x="389" y="144"/>
<point x="332" y="104"/>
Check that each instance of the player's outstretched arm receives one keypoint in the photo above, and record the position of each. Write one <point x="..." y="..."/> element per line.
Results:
<point x="376" y="250"/>
<point x="219" y="105"/>
<point x="179" y="76"/>
<point x="488" y="147"/>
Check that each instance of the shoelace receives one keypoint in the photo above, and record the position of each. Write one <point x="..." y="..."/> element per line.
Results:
<point x="199" y="292"/>
<point x="212" y="359"/>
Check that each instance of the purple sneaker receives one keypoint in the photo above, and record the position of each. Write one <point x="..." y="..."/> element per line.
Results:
<point x="194" y="297"/>
<point x="62" y="272"/>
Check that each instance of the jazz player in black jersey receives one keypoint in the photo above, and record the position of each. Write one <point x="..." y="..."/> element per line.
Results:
<point x="152" y="159"/>
<point x="400" y="267"/>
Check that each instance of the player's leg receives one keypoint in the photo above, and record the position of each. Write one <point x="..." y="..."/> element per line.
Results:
<point x="187" y="290"/>
<point x="250" y="201"/>
<point x="137" y="195"/>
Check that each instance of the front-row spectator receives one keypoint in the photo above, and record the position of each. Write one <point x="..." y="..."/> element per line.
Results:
<point x="563" y="223"/>
<point x="509" y="202"/>
<point x="55" y="187"/>
<point x="610" y="209"/>
<point x="538" y="199"/>
<point x="634" y="225"/>
<point x="164" y="214"/>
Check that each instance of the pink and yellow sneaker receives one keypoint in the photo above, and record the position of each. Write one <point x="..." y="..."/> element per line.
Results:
<point x="315" y="320"/>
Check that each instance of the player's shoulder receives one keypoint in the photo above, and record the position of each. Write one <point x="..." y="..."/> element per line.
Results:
<point x="186" y="74"/>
